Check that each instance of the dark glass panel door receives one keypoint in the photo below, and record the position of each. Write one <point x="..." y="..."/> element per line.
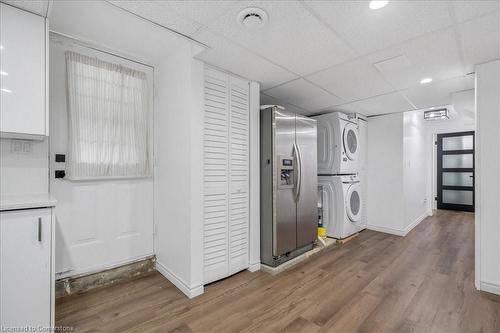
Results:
<point x="455" y="171"/>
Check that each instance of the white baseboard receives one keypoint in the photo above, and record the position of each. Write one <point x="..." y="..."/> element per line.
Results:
<point x="489" y="287"/>
<point x="254" y="267"/>
<point x="417" y="222"/>
<point x="176" y="281"/>
<point x="400" y="232"/>
<point x="386" y="230"/>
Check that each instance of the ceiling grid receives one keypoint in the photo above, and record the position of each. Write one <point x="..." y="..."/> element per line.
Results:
<point x="315" y="55"/>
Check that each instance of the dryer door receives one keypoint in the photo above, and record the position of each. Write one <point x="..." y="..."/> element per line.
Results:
<point x="353" y="202"/>
<point x="351" y="141"/>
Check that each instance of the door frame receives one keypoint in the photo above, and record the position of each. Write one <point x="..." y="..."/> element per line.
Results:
<point x="439" y="172"/>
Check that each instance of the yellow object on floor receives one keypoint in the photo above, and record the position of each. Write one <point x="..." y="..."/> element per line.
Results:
<point x="322" y="232"/>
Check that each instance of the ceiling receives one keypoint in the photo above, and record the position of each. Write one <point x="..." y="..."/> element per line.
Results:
<point x="111" y="30"/>
<point x="315" y="56"/>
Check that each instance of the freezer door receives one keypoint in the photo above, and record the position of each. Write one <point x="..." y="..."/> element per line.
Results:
<point x="284" y="210"/>
<point x="307" y="213"/>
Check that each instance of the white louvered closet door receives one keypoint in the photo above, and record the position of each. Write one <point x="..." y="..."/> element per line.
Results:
<point x="216" y="176"/>
<point x="238" y="175"/>
<point x="226" y="175"/>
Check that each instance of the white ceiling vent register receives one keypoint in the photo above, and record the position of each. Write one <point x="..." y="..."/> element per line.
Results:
<point x="252" y="18"/>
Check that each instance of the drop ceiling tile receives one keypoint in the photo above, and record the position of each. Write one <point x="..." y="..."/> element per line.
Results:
<point x="269" y="100"/>
<point x="481" y="39"/>
<point x="156" y="12"/>
<point x="393" y="64"/>
<point x="370" y="30"/>
<point x="438" y="93"/>
<point x="293" y="37"/>
<point x="466" y="10"/>
<point x="388" y="103"/>
<point x="352" y="81"/>
<point x="433" y="55"/>
<point x="304" y="95"/>
<point x="230" y="56"/>
<point x="38" y="7"/>
<point x="113" y="29"/>
<point x="202" y="12"/>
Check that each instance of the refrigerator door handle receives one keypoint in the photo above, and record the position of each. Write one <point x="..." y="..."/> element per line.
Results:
<point x="298" y="170"/>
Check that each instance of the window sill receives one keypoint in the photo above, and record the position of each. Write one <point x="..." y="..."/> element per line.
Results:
<point x="105" y="178"/>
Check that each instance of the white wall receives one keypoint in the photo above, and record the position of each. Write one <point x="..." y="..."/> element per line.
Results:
<point x="254" y="260"/>
<point x="178" y="173"/>
<point x="385" y="173"/>
<point x="23" y="172"/>
<point x="415" y="169"/>
<point x="397" y="174"/>
<point x="101" y="223"/>
<point x="488" y="177"/>
<point x="363" y="167"/>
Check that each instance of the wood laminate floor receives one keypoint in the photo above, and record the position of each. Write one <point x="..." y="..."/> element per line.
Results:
<point x="423" y="282"/>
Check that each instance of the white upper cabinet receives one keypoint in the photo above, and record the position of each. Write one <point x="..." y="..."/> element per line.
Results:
<point x="23" y="73"/>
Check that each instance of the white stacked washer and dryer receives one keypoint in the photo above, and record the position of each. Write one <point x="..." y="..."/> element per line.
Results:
<point x="341" y="170"/>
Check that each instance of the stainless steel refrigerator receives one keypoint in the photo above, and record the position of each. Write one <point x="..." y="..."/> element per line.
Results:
<point x="289" y="184"/>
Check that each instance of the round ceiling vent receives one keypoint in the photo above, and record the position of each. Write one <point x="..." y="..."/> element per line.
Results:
<point x="252" y="18"/>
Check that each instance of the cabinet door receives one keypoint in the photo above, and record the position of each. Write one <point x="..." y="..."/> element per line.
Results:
<point x="22" y="65"/>
<point x="25" y="277"/>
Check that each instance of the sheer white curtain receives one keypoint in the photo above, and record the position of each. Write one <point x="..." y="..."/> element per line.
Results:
<point x="108" y="120"/>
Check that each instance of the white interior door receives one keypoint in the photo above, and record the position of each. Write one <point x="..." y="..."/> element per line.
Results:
<point x="99" y="223"/>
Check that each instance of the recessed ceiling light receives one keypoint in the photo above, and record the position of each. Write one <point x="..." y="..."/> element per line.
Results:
<point x="426" y="80"/>
<point x="6" y="90"/>
<point x="3" y="73"/>
<point x="1" y="47"/>
<point x="252" y="18"/>
<point x="378" y="4"/>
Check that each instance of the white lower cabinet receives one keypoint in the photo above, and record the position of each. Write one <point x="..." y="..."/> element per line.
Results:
<point x="26" y="262"/>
